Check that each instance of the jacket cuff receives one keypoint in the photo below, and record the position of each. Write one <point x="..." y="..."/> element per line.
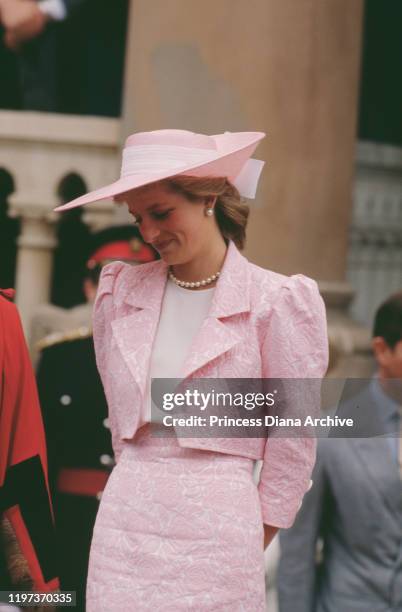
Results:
<point x="54" y="9"/>
<point x="278" y="510"/>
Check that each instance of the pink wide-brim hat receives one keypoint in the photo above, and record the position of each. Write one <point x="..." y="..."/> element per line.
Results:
<point x="153" y="156"/>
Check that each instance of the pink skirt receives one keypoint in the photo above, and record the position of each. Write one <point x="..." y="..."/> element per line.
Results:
<point x="177" y="529"/>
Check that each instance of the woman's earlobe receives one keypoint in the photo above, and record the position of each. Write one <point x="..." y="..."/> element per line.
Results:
<point x="210" y="203"/>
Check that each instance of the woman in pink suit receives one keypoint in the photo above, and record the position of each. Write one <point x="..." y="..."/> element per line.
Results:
<point x="181" y="525"/>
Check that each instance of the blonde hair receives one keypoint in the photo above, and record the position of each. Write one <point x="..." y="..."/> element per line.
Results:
<point x="230" y="211"/>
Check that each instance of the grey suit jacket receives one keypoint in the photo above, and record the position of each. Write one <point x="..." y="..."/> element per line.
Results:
<point x="355" y="509"/>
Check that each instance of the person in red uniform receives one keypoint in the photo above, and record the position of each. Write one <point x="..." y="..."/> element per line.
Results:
<point x="27" y="544"/>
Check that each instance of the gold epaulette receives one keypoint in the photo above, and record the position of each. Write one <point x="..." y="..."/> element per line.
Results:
<point x="65" y="336"/>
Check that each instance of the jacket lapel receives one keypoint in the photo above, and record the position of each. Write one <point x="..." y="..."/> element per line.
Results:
<point x="142" y="296"/>
<point x="218" y="334"/>
<point x="376" y="456"/>
<point x="134" y="333"/>
<point x="373" y="449"/>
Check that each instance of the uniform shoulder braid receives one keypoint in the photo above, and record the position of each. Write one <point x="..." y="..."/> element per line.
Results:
<point x="54" y="338"/>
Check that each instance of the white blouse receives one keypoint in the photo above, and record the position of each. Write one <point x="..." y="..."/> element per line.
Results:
<point x="182" y="314"/>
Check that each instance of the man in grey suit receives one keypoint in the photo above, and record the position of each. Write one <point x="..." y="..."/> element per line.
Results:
<point x="344" y="552"/>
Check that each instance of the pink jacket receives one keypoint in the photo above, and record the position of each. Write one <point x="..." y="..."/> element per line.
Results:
<point x="260" y="325"/>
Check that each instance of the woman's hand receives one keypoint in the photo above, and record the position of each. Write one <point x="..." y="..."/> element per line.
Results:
<point x="269" y="534"/>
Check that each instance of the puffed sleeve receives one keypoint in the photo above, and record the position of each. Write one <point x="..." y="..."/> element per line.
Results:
<point x="295" y="346"/>
<point x="102" y="317"/>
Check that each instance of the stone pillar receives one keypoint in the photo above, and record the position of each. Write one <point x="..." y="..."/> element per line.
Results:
<point x="99" y="217"/>
<point x="34" y="260"/>
<point x="288" y="68"/>
<point x="40" y="150"/>
<point x="349" y="343"/>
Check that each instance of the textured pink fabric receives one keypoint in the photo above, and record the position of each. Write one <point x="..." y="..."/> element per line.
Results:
<point x="178" y="529"/>
<point x="261" y="324"/>
<point x="180" y="521"/>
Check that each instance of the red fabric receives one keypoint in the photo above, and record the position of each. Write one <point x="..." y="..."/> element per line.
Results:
<point x="24" y="540"/>
<point x="123" y="249"/>
<point x="7" y="293"/>
<point x="82" y="481"/>
<point x="21" y="427"/>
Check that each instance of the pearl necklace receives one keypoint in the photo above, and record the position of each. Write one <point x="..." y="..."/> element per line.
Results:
<point x="191" y="285"/>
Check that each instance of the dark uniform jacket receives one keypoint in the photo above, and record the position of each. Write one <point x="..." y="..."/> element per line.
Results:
<point x="79" y="447"/>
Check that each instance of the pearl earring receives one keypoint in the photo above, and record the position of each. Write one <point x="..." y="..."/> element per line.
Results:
<point x="209" y="212"/>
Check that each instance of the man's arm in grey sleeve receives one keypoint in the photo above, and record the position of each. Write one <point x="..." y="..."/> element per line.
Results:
<point x="297" y="570"/>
